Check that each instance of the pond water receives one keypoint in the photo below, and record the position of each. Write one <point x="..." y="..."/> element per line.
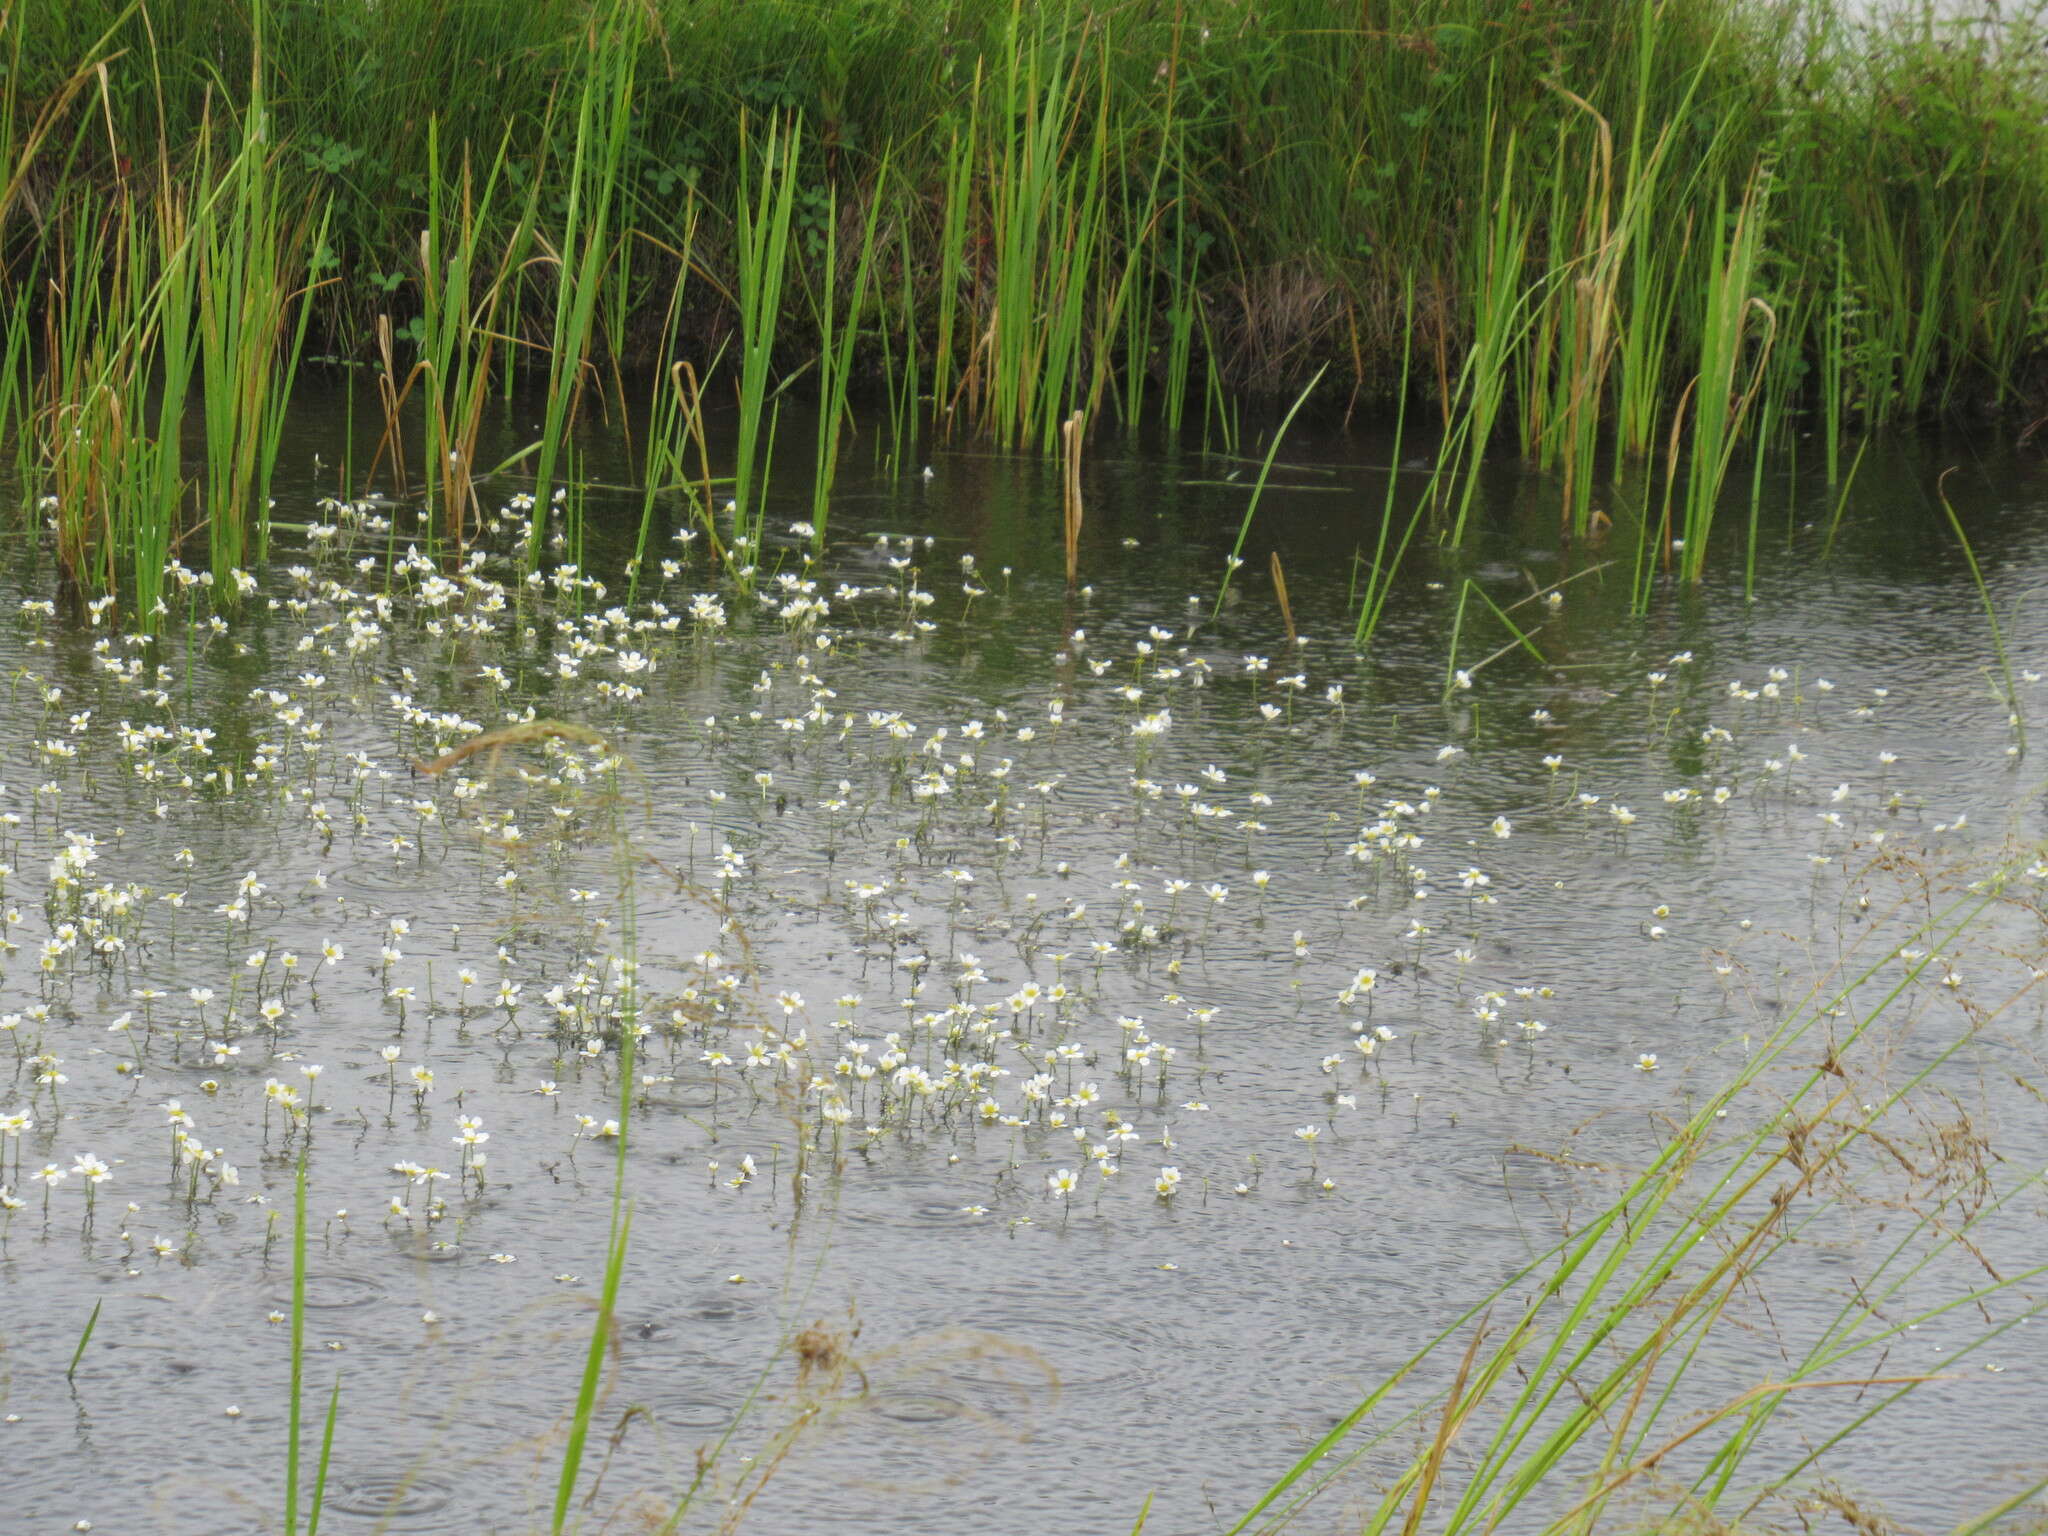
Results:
<point x="932" y="884"/>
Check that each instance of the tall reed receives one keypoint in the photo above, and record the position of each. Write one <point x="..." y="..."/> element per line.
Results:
<point x="674" y="420"/>
<point x="155" y="517"/>
<point x="249" y="250"/>
<point x="838" y="332"/>
<point x="1379" y="584"/>
<point x="1500" y="318"/>
<point x="762" y="217"/>
<point x="1046" y="211"/>
<point x="462" y="287"/>
<point x="582" y="244"/>
<point x="1090" y="206"/>
<point x="1736" y="336"/>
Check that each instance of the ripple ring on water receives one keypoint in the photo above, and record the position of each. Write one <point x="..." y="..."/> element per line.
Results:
<point x="389" y="1495"/>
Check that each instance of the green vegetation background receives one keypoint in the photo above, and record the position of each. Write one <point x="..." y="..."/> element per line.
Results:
<point x="1293" y="162"/>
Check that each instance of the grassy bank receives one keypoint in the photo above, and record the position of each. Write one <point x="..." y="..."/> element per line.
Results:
<point x="1597" y="230"/>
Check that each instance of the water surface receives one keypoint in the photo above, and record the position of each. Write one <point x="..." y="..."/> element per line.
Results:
<point x="970" y="828"/>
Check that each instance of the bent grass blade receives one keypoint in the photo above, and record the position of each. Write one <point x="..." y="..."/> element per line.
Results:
<point x="1259" y="486"/>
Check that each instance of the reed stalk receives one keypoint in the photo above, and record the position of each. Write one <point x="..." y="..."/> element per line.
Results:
<point x="838" y="335"/>
<point x="602" y="1325"/>
<point x="1721" y="396"/>
<point x="1379" y="583"/>
<point x="582" y="247"/>
<point x="1500" y="318"/>
<point x="1070" y="492"/>
<point x="1251" y="507"/>
<point x="1280" y="597"/>
<point x="248" y="245"/>
<point x="461" y="291"/>
<point x="2014" y="717"/>
<point x="957" y="184"/>
<point x="1847" y="484"/>
<point x="674" y="416"/>
<point x="762" y="219"/>
<point x="295" y="1422"/>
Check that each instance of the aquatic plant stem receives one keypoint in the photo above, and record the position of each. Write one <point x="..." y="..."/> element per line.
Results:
<point x="762" y="223"/>
<point x="1379" y="583"/>
<point x="621" y="1209"/>
<point x="85" y="1338"/>
<point x="294" y="1427"/>
<point x="1244" y="528"/>
<point x="2012" y="696"/>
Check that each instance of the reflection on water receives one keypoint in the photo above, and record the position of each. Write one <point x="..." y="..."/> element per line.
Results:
<point x="1336" y="996"/>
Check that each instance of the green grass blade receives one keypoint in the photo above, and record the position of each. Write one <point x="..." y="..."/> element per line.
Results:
<point x="84" y="1339"/>
<point x="2012" y="695"/>
<point x="1258" y="487"/>
<point x="326" y="1459"/>
<point x="298" y="1348"/>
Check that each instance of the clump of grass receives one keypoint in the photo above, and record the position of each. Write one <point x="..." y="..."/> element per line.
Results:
<point x="1720" y="395"/>
<point x="1267" y="128"/>
<point x="461" y="290"/>
<point x="1580" y="1401"/>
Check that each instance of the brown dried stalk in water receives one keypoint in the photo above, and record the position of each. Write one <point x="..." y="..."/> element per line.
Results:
<point x="511" y="736"/>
